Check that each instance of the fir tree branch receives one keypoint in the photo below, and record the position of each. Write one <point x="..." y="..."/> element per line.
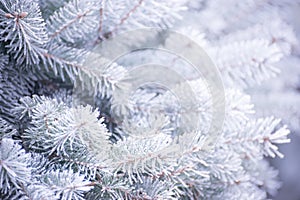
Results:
<point x="257" y="57"/>
<point x="262" y="132"/>
<point x="75" y="22"/>
<point x="124" y="18"/>
<point x="14" y="165"/>
<point x="23" y="30"/>
<point x="70" y="23"/>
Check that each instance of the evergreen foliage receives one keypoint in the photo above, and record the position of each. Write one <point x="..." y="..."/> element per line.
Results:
<point x="54" y="148"/>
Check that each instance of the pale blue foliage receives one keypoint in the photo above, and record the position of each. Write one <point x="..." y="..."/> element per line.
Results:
<point x="66" y="184"/>
<point x="14" y="165"/>
<point x="64" y="150"/>
<point x="6" y="130"/>
<point x="76" y="22"/>
<point x="24" y="30"/>
<point x="14" y="84"/>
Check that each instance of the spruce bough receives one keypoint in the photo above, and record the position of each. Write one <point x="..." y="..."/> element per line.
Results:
<point x="54" y="148"/>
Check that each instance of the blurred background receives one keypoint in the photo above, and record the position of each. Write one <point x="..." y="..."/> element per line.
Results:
<point x="280" y="96"/>
<point x="222" y="22"/>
